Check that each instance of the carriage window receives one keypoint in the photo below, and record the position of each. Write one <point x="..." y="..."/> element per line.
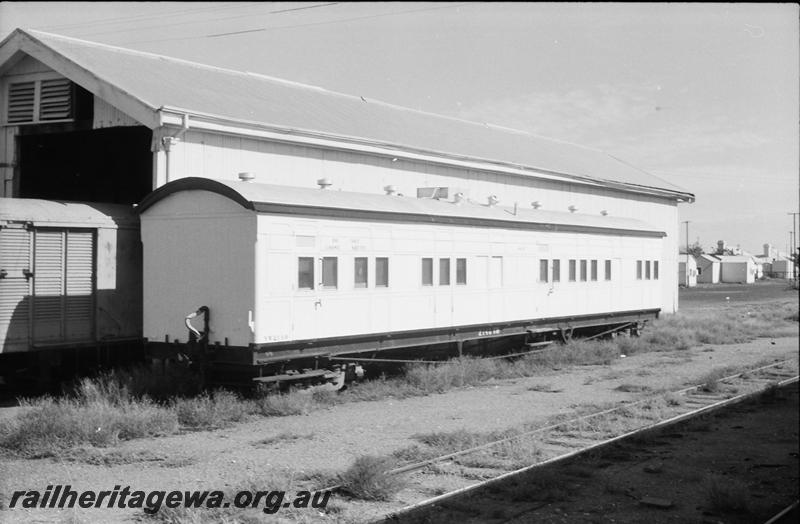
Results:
<point x="444" y="271"/>
<point x="655" y="270"/>
<point x="381" y="272"/>
<point x="360" y="272"/>
<point x="583" y="271"/>
<point x="594" y="270"/>
<point x="543" y="271"/>
<point x="305" y="273"/>
<point x="647" y="270"/>
<point x="608" y="270"/>
<point x="427" y="271"/>
<point x="330" y="272"/>
<point x="638" y="270"/>
<point x="572" y="270"/>
<point x="556" y="271"/>
<point x="461" y="271"/>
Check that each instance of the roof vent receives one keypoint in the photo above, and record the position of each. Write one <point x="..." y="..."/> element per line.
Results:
<point x="536" y="204"/>
<point x="493" y="200"/>
<point x="572" y="209"/>
<point x="47" y="100"/>
<point x="458" y="198"/>
<point x="440" y="193"/>
<point x="247" y="176"/>
<point x="604" y="213"/>
<point x="324" y="183"/>
<point x="390" y="189"/>
<point x="21" y="102"/>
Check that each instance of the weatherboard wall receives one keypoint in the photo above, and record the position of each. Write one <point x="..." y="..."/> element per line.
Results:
<point x="220" y="156"/>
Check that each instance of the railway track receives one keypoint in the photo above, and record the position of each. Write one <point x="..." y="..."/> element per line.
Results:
<point x="438" y="479"/>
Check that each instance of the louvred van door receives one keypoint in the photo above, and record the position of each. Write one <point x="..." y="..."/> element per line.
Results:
<point x="63" y="306"/>
<point x="15" y="287"/>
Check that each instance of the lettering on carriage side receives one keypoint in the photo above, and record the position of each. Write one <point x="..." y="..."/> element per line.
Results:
<point x="489" y="332"/>
<point x="357" y="245"/>
<point x="276" y="338"/>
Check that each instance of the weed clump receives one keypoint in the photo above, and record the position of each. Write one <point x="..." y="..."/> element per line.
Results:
<point x="284" y="404"/>
<point x="100" y="413"/>
<point x="369" y="479"/>
<point x="215" y="410"/>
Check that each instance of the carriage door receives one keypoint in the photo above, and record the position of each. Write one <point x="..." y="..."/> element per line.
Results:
<point x="495" y="281"/>
<point x="15" y="287"/>
<point x="63" y="285"/>
<point x="618" y="287"/>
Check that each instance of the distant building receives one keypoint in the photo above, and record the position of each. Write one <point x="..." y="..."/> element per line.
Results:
<point x="708" y="268"/>
<point x="782" y="268"/>
<point x="723" y="249"/>
<point x="689" y="280"/>
<point x="775" y="263"/>
<point x="737" y="269"/>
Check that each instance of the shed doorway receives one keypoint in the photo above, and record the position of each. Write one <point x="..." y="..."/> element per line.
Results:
<point x="112" y="165"/>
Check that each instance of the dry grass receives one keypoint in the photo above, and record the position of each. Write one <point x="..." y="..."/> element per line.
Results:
<point x="110" y="458"/>
<point x="282" y="438"/>
<point x="369" y="479"/>
<point x="283" y="404"/>
<point x="544" y="388"/>
<point x="120" y="406"/>
<point x="211" y="410"/>
<point x="632" y="388"/>
<point x="100" y="414"/>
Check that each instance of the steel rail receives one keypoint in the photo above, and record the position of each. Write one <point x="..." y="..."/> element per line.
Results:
<point x="663" y="423"/>
<point x="783" y="513"/>
<point x="422" y="464"/>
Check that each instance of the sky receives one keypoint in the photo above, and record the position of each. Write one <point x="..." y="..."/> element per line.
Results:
<point x="705" y="96"/>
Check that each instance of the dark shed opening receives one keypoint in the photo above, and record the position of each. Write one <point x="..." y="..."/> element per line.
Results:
<point x="112" y="165"/>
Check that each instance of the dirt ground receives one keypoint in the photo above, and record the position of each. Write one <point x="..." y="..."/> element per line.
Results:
<point x="735" y="467"/>
<point x="710" y="295"/>
<point x="331" y="439"/>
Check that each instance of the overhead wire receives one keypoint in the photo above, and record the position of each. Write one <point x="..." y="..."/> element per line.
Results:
<point x="310" y="24"/>
<point x="138" y="18"/>
<point x="189" y="22"/>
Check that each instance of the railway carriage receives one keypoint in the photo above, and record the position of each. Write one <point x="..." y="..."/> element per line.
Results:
<point x="293" y="277"/>
<point x="287" y="276"/>
<point x="70" y="285"/>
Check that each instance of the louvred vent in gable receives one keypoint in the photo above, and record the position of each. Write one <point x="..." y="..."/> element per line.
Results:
<point x="21" y="102"/>
<point x="55" y="99"/>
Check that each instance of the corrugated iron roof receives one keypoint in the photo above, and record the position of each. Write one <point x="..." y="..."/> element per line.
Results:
<point x="61" y="213"/>
<point x="710" y="258"/>
<point x="163" y="82"/>
<point x="733" y="258"/>
<point x="278" y="199"/>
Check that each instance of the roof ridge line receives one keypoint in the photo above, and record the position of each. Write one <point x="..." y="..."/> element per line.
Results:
<point x="316" y="88"/>
<point x="127" y="50"/>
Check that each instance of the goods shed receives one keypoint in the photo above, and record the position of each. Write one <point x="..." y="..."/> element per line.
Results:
<point x="93" y="122"/>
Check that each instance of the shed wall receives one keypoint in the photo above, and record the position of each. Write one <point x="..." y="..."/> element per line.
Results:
<point x="224" y="156"/>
